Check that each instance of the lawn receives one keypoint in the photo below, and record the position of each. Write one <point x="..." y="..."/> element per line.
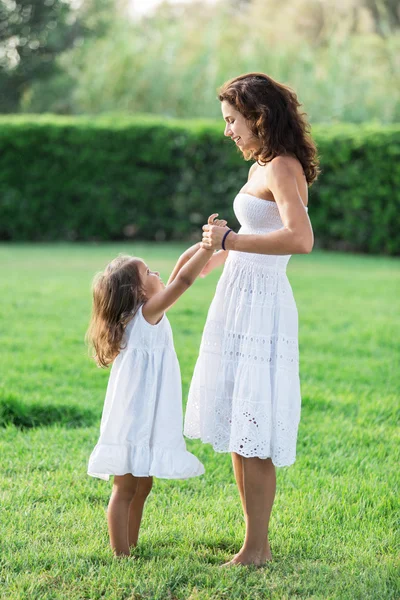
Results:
<point x="334" y="532"/>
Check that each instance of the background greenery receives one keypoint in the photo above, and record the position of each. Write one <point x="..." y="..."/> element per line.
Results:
<point x="334" y="525"/>
<point x="117" y="177"/>
<point x="341" y="56"/>
<point x="115" y="174"/>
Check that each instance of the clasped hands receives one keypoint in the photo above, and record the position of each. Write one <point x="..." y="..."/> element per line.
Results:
<point x="213" y="233"/>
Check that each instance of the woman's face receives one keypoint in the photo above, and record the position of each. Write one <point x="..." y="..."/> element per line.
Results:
<point x="237" y="128"/>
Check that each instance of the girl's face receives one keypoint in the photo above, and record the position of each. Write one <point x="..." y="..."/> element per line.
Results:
<point x="151" y="280"/>
<point x="237" y="128"/>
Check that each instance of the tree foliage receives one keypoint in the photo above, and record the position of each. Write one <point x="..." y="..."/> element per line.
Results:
<point x="33" y="34"/>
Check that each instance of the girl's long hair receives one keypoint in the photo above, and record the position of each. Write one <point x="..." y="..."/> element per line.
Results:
<point x="117" y="295"/>
<point x="272" y="110"/>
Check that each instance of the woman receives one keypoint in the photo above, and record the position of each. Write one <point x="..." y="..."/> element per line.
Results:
<point x="245" y="393"/>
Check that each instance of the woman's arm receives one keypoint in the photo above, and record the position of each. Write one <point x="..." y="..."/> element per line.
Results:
<point x="296" y="235"/>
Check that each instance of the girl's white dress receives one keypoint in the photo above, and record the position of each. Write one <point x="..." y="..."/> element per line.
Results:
<point x="245" y="392"/>
<point x="141" y="424"/>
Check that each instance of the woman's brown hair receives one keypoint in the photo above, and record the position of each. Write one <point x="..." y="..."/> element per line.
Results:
<point x="117" y="295"/>
<point x="272" y="110"/>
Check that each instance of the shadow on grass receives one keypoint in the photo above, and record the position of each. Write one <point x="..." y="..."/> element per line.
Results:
<point x="28" y="416"/>
<point x="215" y="551"/>
<point x="161" y="550"/>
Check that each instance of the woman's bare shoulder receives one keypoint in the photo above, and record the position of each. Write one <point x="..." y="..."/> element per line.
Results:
<point x="284" y="164"/>
<point x="251" y="170"/>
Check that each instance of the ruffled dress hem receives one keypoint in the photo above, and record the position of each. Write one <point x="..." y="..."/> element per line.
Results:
<point x="276" y="462"/>
<point x="142" y="461"/>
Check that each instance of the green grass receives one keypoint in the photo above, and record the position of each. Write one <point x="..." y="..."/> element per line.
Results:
<point x="333" y="527"/>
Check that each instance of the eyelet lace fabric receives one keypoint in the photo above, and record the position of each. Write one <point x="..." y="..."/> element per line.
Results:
<point x="245" y="392"/>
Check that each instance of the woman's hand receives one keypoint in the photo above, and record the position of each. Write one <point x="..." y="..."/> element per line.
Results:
<point x="213" y="233"/>
<point x="212" y="220"/>
<point x="190" y="252"/>
<point x="193" y="249"/>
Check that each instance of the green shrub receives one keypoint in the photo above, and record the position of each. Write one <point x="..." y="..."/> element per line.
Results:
<point x="113" y="177"/>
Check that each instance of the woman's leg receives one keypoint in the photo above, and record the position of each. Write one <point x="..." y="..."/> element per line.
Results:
<point x="237" y="462"/>
<point x="124" y="488"/>
<point x="259" y="481"/>
<point x="136" y="508"/>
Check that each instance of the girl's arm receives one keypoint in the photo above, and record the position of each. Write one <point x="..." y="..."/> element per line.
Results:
<point x="184" y="277"/>
<point x="182" y="260"/>
<point x="187" y="255"/>
<point x="156" y="306"/>
<point x="217" y="260"/>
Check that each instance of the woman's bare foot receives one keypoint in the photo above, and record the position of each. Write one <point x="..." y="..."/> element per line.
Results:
<point x="250" y="557"/>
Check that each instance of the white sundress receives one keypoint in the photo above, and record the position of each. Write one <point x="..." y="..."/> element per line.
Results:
<point x="141" y="425"/>
<point x="245" y="392"/>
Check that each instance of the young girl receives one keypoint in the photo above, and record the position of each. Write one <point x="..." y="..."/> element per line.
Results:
<point x="141" y="425"/>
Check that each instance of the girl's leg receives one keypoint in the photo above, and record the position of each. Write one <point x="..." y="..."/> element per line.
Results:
<point x="124" y="488"/>
<point x="136" y="508"/>
<point x="259" y="480"/>
<point x="237" y="462"/>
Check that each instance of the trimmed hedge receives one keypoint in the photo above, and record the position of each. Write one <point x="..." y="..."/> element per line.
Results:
<point x="115" y="177"/>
